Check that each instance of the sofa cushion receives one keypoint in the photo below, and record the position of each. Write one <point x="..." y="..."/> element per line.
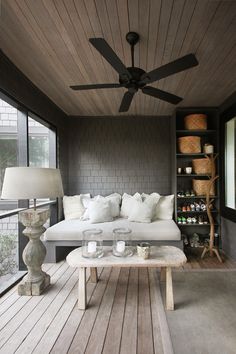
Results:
<point x="71" y="230"/>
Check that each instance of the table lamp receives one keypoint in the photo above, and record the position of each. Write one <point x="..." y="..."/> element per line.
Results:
<point x="32" y="183"/>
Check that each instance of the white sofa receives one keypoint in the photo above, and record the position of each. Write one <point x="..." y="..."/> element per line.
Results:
<point x="67" y="234"/>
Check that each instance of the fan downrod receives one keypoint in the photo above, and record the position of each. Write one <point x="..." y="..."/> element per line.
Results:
<point x="132" y="38"/>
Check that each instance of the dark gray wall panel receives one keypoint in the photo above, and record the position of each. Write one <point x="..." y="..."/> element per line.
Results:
<point x="229" y="237"/>
<point x="125" y="154"/>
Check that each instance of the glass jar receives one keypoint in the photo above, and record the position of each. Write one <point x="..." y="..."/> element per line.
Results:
<point x="92" y="243"/>
<point x="208" y="149"/>
<point x="122" y="242"/>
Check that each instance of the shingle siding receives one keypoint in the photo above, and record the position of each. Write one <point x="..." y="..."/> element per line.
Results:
<point x="127" y="154"/>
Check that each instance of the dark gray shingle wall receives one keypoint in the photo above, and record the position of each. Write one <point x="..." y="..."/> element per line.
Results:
<point x="126" y="154"/>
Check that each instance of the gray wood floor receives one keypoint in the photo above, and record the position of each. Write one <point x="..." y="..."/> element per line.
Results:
<point x="122" y="316"/>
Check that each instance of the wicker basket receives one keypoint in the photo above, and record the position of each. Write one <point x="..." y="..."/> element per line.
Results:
<point x="201" y="186"/>
<point x="195" y="122"/>
<point x="202" y="166"/>
<point x="189" y="144"/>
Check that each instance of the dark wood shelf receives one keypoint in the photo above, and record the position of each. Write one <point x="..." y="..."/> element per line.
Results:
<point x="196" y="212"/>
<point x="198" y="197"/>
<point x="183" y="180"/>
<point x="191" y="175"/>
<point x="192" y="155"/>
<point x="196" y="132"/>
<point x="196" y="224"/>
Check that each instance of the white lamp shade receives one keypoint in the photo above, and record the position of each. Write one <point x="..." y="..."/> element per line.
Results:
<point x="31" y="183"/>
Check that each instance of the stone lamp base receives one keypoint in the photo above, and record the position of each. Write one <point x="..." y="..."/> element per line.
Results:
<point x="34" y="253"/>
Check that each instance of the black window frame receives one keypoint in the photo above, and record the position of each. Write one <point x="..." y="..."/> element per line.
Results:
<point x="226" y="116"/>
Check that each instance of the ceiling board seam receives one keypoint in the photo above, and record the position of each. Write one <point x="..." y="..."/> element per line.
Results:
<point x="102" y="31"/>
<point x="37" y="36"/>
<point x="102" y="61"/>
<point x="80" y="62"/>
<point x="113" y="41"/>
<point x="84" y="98"/>
<point x="185" y="74"/>
<point x="157" y="102"/>
<point x="187" y="89"/>
<point x="99" y="94"/>
<point x="171" y="86"/>
<point x="165" y="81"/>
<point x="21" y="67"/>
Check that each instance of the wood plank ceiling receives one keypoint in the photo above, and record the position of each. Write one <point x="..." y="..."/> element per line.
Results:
<point x="48" y="41"/>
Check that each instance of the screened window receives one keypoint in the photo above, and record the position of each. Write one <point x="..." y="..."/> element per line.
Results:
<point x="230" y="172"/>
<point x="38" y="144"/>
<point x="8" y="138"/>
<point x="24" y="141"/>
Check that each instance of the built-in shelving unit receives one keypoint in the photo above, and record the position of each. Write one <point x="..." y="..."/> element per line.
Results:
<point x="183" y="182"/>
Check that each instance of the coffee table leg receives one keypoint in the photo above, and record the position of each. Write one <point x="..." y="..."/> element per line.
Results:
<point x="93" y="275"/>
<point x="82" y="295"/>
<point x="163" y="274"/>
<point x="169" y="290"/>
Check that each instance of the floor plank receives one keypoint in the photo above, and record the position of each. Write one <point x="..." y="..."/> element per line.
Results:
<point x="44" y="322"/>
<point x="82" y="335"/>
<point x="156" y="331"/>
<point x="22" y="331"/>
<point x="129" y="333"/>
<point x="98" y="334"/>
<point x="67" y="334"/>
<point x="145" y="338"/>
<point x="114" y="331"/>
<point x="8" y="330"/>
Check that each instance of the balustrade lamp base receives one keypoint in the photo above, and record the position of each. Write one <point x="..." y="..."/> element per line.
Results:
<point x="36" y="281"/>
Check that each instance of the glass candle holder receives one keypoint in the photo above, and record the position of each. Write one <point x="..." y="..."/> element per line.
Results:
<point x="122" y="242"/>
<point x="92" y="243"/>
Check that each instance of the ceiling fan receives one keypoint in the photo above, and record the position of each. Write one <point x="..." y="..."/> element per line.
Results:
<point x="134" y="78"/>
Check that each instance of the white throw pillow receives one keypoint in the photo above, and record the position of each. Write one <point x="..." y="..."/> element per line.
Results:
<point x="115" y="200"/>
<point x="127" y="203"/>
<point x="73" y="207"/>
<point x="86" y="203"/>
<point x="165" y="207"/>
<point x="85" y="199"/>
<point x="100" y="211"/>
<point x="141" y="212"/>
<point x="152" y="200"/>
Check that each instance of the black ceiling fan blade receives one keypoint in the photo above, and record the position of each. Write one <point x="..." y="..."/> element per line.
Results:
<point x="126" y="101"/>
<point x="95" y="86"/>
<point x="162" y="95"/>
<point x="108" y="53"/>
<point x="176" y="66"/>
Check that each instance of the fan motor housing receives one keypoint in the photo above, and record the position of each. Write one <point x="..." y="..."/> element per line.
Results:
<point x="136" y="74"/>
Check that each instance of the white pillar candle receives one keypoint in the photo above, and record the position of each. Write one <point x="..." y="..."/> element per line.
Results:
<point x="120" y="246"/>
<point x="92" y="246"/>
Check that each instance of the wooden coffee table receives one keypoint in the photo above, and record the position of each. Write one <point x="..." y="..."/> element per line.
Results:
<point x="164" y="257"/>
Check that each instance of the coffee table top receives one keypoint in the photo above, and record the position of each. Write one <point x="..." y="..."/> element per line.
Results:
<point x="161" y="256"/>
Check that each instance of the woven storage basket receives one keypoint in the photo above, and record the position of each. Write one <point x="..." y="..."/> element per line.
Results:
<point x="195" y="122"/>
<point x="201" y="186"/>
<point x="201" y="166"/>
<point x="189" y="144"/>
